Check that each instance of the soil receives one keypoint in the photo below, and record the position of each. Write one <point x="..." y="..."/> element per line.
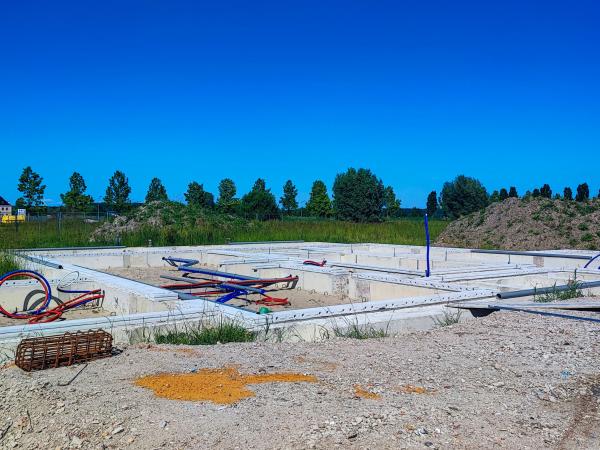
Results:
<point x="508" y="380"/>
<point x="298" y="298"/>
<point x="535" y="224"/>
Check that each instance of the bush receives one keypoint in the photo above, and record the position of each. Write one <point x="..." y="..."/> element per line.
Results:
<point x="358" y="196"/>
<point x="259" y="202"/>
<point x="463" y="196"/>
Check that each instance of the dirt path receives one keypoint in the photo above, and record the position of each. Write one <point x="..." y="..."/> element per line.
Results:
<point x="505" y="381"/>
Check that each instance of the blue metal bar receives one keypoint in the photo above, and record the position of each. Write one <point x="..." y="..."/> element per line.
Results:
<point x="545" y="313"/>
<point x="182" y="261"/>
<point x="427" y="271"/>
<point x="216" y="273"/>
<point x="185" y="266"/>
<point x="245" y="289"/>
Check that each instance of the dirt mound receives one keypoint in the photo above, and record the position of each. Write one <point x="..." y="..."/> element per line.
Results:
<point x="532" y="224"/>
<point x="159" y="215"/>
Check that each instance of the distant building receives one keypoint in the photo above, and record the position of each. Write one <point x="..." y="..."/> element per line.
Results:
<point x="5" y="208"/>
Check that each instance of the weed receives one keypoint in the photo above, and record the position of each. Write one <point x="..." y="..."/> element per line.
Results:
<point x="8" y="262"/>
<point x="573" y="291"/>
<point x="354" y="330"/>
<point x="201" y="333"/>
<point x="448" y="318"/>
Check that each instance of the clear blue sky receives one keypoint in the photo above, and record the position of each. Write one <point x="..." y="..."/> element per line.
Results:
<point x="418" y="91"/>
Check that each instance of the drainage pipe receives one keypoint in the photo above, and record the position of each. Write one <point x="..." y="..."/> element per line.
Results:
<point x="546" y="290"/>
<point x="542" y="254"/>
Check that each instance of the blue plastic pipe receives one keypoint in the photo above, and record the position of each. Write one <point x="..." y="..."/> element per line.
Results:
<point x="427" y="271"/>
<point x="590" y="261"/>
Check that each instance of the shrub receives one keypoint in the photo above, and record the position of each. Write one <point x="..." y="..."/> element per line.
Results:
<point x="463" y="196"/>
<point x="358" y="196"/>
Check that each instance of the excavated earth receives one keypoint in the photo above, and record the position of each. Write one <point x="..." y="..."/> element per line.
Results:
<point x="534" y="224"/>
<point x="509" y="380"/>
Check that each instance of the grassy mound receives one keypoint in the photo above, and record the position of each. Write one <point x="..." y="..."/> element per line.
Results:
<point x="532" y="224"/>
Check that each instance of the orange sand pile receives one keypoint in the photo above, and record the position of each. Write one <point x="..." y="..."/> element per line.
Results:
<point x="363" y="393"/>
<point x="222" y="386"/>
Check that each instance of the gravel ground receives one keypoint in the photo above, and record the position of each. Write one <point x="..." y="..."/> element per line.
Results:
<point x="508" y="381"/>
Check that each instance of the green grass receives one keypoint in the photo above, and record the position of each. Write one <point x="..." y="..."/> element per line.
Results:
<point x="204" y="334"/>
<point x="77" y="234"/>
<point x="354" y="330"/>
<point x="448" y="318"/>
<point x="8" y="263"/>
<point x="573" y="291"/>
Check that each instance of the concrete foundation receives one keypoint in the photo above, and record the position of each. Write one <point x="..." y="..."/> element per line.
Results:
<point x="383" y="286"/>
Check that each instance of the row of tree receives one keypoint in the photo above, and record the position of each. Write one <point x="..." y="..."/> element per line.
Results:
<point x="358" y="195"/>
<point x="465" y="195"/>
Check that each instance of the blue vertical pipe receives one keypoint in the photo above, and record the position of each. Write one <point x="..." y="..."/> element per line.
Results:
<point x="427" y="271"/>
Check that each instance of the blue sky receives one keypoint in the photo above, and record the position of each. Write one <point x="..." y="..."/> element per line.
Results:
<point x="418" y="91"/>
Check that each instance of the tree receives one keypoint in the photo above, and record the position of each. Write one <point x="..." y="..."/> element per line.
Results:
<point x="117" y="192"/>
<point x="512" y="192"/>
<point x="227" y="201"/>
<point x="319" y="204"/>
<point x="260" y="202"/>
<point x="288" y="201"/>
<point x="432" y="203"/>
<point x="536" y="193"/>
<point x="156" y="191"/>
<point x="503" y="195"/>
<point x="391" y="204"/>
<point x="358" y="196"/>
<point x="545" y="191"/>
<point x="583" y="193"/>
<point x="495" y="197"/>
<point x="30" y="185"/>
<point x="462" y="196"/>
<point x="197" y="196"/>
<point x="76" y="199"/>
<point x="568" y="194"/>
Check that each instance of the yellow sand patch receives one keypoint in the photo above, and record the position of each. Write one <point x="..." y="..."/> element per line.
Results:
<point x="222" y="386"/>
<point x="410" y="389"/>
<point x="363" y="393"/>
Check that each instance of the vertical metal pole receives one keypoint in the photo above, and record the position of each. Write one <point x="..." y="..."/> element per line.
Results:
<point x="427" y="271"/>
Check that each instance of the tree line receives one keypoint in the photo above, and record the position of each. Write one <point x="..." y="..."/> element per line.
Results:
<point x="357" y="195"/>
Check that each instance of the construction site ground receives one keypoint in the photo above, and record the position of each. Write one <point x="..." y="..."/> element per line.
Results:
<point x="509" y="380"/>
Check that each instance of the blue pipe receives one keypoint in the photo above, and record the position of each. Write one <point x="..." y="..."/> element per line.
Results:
<point x="43" y="280"/>
<point x="185" y="266"/>
<point x="544" y="313"/>
<point x="590" y="261"/>
<point x="427" y="271"/>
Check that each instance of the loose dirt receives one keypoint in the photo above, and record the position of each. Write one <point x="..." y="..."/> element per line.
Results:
<point x="505" y="381"/>
<point x="221" y="386"/>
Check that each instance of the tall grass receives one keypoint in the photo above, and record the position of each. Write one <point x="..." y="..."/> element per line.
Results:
<point x="222" y="332"/>
<point x="573" y="291"/>
<point x="8" y="263"/>
<point x="73" y="233"/>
